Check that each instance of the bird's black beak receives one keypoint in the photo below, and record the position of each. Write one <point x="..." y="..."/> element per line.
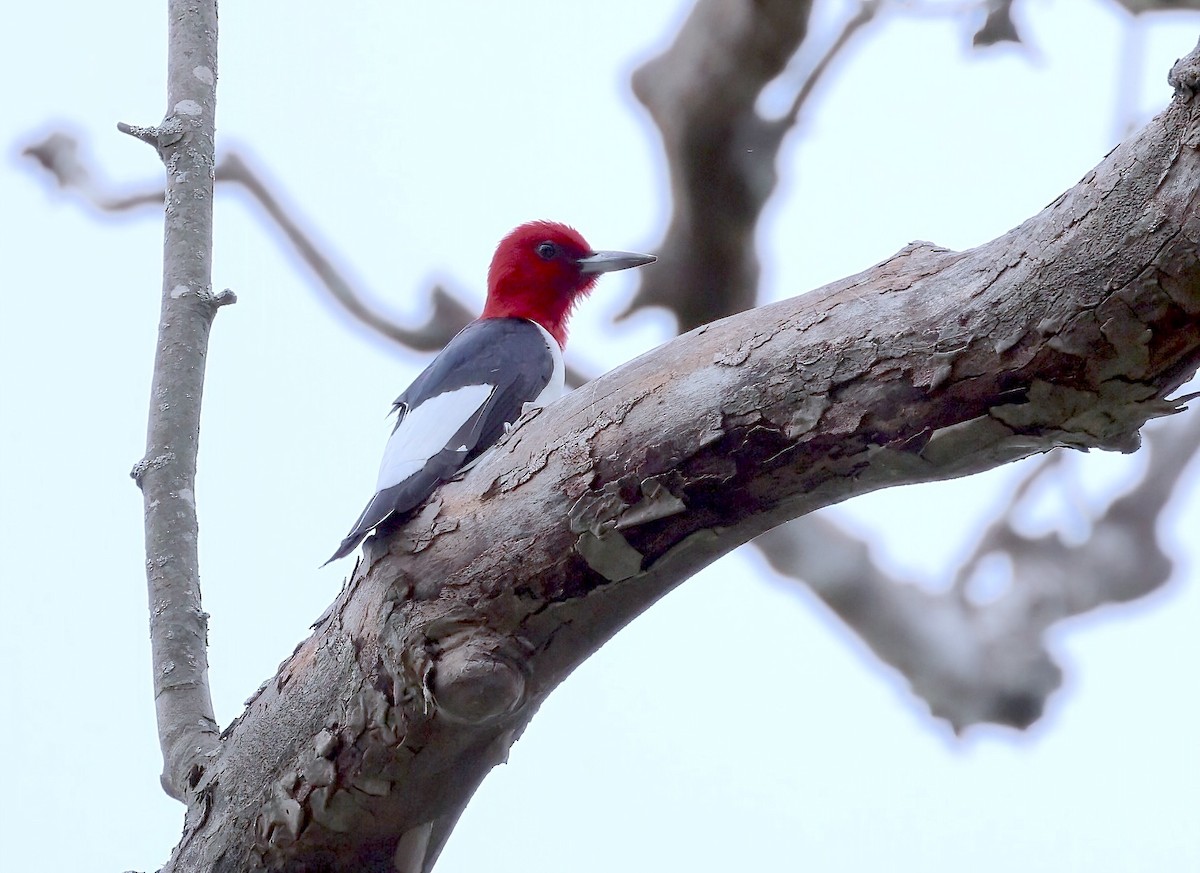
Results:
<point x="606" y="262"/>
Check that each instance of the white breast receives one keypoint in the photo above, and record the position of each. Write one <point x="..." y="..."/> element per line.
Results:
<point x="554" y="388"/>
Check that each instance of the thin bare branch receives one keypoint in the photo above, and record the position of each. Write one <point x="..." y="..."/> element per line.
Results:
<point x="58" y="154"/>
<point x="149" y="135"/>
<point x="1122" y="559"/>
<point x="998" y="25"/>
<point x="187" y="728"/>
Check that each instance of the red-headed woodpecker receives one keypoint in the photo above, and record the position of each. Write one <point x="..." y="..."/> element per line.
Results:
<point x="479" y="383"/>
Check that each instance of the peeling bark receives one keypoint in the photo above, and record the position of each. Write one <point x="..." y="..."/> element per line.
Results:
<point x="1071" y="330"/>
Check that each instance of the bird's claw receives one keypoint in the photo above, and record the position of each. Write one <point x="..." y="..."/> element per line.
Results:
<point x="529" y="411"/>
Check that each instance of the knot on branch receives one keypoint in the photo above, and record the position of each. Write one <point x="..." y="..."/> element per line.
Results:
<point x="161" y="136"/>
<point x="187" y="753"/>
<point x="1184" y="77"/>
<point x="477" y="677"/>
<point x="216" y="300"/>
<point x="145" y="465"/>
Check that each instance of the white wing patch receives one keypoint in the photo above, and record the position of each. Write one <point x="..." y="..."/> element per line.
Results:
<point x="427" y="430"/>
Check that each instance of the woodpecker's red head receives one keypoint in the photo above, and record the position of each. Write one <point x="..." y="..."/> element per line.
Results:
<point x="542" y="269"/>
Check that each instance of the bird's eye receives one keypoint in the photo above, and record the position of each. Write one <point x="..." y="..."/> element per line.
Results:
<point x="547" y="250"/>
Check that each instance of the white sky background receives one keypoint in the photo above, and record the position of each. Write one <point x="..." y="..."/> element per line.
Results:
<point x="734" y="727"/>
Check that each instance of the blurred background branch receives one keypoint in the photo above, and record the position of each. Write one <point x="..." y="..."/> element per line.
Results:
<point x="977" y="652"/>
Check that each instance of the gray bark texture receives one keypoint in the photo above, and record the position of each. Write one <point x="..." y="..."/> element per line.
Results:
<point x="187" y="729"/>
<point x="1071" y="330"/>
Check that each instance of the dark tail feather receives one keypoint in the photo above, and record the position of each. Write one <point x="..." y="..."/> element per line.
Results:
<point x="349" y="544"/>
<point x="371" y="516"/>
<point x="393" y="503"/>
<point x="381" y="507"/>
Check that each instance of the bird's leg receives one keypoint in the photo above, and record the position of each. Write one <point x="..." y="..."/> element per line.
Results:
<point x="529" y="411"/>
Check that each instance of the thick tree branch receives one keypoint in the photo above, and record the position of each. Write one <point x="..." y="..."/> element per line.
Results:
<point x="717" y="43"/>
<point x="1069" y="331"/>
<point x="187" y="729"/>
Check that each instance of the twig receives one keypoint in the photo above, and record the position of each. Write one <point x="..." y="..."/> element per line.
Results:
<point x="867" y="10"/>
<point x="187" y="727"/>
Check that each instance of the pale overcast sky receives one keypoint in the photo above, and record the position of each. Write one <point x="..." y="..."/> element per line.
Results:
<point x="736" y="726"/>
